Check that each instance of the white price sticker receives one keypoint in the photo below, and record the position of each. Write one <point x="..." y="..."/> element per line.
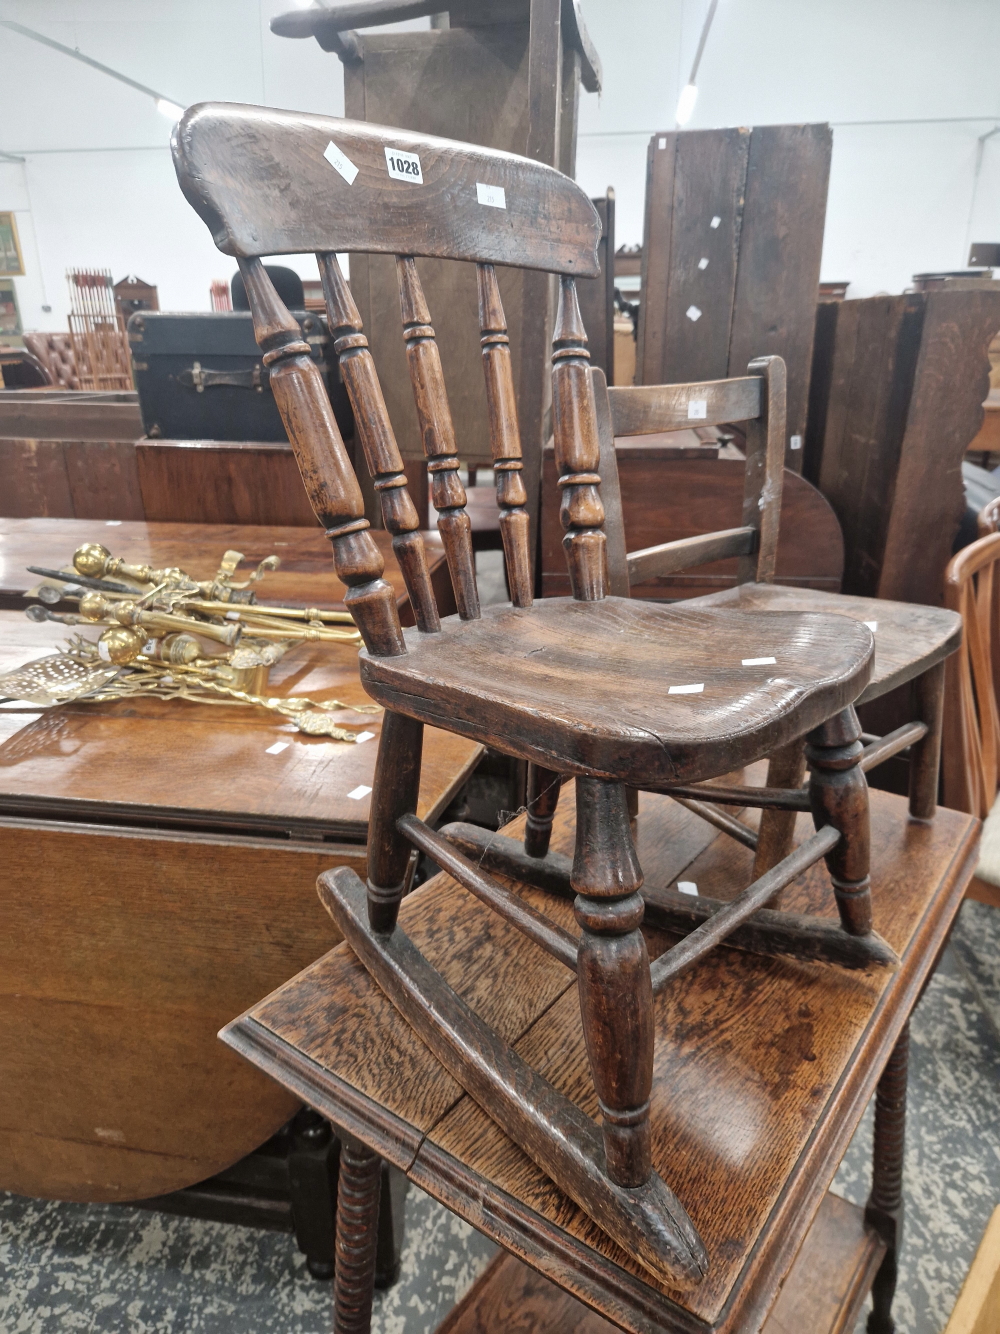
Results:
<point x="688" y="887"/>
<point x="759" y="662"/>
<point x="149" y="648"/>
<point x="113" y="523"/>
<point x="686" y="690"/>
<point x="795" y="442"/>
<point x="340" y="162"/>
<point x="693" y="314"/>
<point x="360" y="791"/>
<point x="493" y="196"/>
<point x="715" y="222"/>
<point x="362" y="737"/>
<point x="703" y="263"/>
<point x="102" y="651"/>
<point x="697" y="409"/>
<point x="277" y="748"/>
<point x="404" y="166"/>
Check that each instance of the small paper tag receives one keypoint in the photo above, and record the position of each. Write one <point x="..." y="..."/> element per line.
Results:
<point x="363" y="736"/>
<point x="149" y="648"/>
<point x="759" y="662"/>
<point x="491" y="195"/>
<point x="404" y="166"/>
<point x="340" y="162"/>
<point x="686" y="690"/>
<point x="102" y="651"/>
<point x="795" y="442"/>
<point x="687" y="887"/>
<point x="872" y="625"/>
<point x="277" y="748"/>
<point x="703" y="263"/>
<point x="715" y="221"/>
<point x="662" y="143"/>
<point x="693" y="313"/>
<point x="113" y="523"/>
<point x="697" y="409"/>
<point x="232" y="616"/>
<point x="359" y="792"/>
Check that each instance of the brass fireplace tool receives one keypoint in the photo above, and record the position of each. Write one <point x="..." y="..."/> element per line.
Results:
<point x="171" y="636"/>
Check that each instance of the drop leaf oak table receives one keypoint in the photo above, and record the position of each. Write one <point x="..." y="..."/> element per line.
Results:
<point x="763" y="1070"/>
<point x="159" y="861"/>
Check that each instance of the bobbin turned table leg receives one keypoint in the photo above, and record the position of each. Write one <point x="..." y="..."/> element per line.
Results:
<point x="616" y="995"/>
<point x="358" y="1192"/>
<point x="838" y="793"/>
<point x="884" y="1210"/>
<point x="397" y="781"/>
<point x="543" y="798"/>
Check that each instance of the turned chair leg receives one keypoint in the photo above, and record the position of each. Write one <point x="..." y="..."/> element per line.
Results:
<point x="543" y="798"/>
<point x="397" y="781"/>
<point x="616" y="995"/>
<point x="358" y="1191"/>
<point x="884" y="1210"/>
<point x="925" y="757"/>
<point x="838" y="792"/>
<point x="786" y="768"/>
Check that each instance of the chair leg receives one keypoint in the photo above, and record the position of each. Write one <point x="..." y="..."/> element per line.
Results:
<point x="786" y="768"/>
<point x="925" y="758"/>
<point x="397" y="781"/>
<point x="358" y="1194"/>
<point x="616" y="995"/>
<point x="838" y="792"/>
<point x="543" y="798"/>
<point x="884" y="1210"/>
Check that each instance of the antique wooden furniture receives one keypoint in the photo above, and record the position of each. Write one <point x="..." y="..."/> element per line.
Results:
<point x="977" y="1310"/>
<point x="756" y="1094"/>
<point x="532" y="681"/>
<point x="506" y="75"/>
<point x="896" y="396"/>
<point x="159" y="861"/>
<point x="97" y="331"/>
<point x="731" y="256"/>
<point x="911" y="642"/>
<point x="597" y="295"/>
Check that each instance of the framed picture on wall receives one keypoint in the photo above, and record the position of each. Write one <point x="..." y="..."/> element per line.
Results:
<point x="11" y="261"/>
<point x="10" y="316"/>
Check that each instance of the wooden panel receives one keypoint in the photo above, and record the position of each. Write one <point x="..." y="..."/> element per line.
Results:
<point x="71" y="415"/>
<point x="213" y="481"/>
<point x="597" y="295"/>
<point x="103" y="479"/>
<point x="709" y="174"/>
<point x="821" y="1294"/>
<point x="898" y="386"/>
<point x="781" y="243"/>
<point x="665" y="500"/>
<point x="977" y="1310"/>
<point x="35" y="480"/>
<point x="747" y="1131"/>
<point x="645" y="409"/>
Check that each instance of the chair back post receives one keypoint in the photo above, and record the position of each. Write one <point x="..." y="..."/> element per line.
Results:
<point x="438" y="434"/>
<point x="764" y="472"/>
<point x="378" y="441"/>
<point x="505" y="437"/>
<point x="971" y="749"/>
<point x="577" y="450"/>
<point x="323" y="461"/>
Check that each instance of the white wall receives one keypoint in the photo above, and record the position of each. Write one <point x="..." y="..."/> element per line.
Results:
<point x="97" y="187"/>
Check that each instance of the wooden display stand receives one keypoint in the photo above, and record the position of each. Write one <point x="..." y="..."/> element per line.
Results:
<point x="505" y="75"/>
<point x="731" y="255"/>
<point x="160" y="861"/>
<point x="763" y="1069"/>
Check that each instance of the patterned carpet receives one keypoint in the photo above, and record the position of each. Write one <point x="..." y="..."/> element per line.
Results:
<point x="104" y="1268"/>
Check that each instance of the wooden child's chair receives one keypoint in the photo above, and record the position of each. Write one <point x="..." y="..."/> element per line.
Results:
<point x="617" y="693"/>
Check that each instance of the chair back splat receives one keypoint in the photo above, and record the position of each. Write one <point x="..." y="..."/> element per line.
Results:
<point x="277" y="182"/>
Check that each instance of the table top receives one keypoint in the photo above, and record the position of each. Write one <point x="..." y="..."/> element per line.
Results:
<point x="763" y="1066"/>
<point x="173" y="763"/>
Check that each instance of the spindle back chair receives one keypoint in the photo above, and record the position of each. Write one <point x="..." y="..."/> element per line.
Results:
<point x="607" y="689"/>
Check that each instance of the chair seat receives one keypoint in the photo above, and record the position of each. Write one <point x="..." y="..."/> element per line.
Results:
<point x="639" y="692"/>
<point x="909" y="637"/>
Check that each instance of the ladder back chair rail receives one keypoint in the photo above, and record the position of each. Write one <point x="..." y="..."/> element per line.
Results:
<point x="758" y="399"/>
<point x="972" y="721"/>
<point x="273" y="182"/>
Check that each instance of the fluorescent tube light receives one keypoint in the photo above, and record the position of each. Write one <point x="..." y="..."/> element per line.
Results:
<point x="169" y="109"/>
<point x="685" y="103"/>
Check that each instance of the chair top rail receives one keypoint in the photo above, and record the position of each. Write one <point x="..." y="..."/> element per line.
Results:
<point x="645" y="409"/>
<point x="269" y="182"/>
<point x="967" y="562"/>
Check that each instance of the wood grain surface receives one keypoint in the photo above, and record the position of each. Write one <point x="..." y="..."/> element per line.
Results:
<point x="666" y="499"/>
<point x="542" y="679"/>
<point x="763" y="1068"/>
